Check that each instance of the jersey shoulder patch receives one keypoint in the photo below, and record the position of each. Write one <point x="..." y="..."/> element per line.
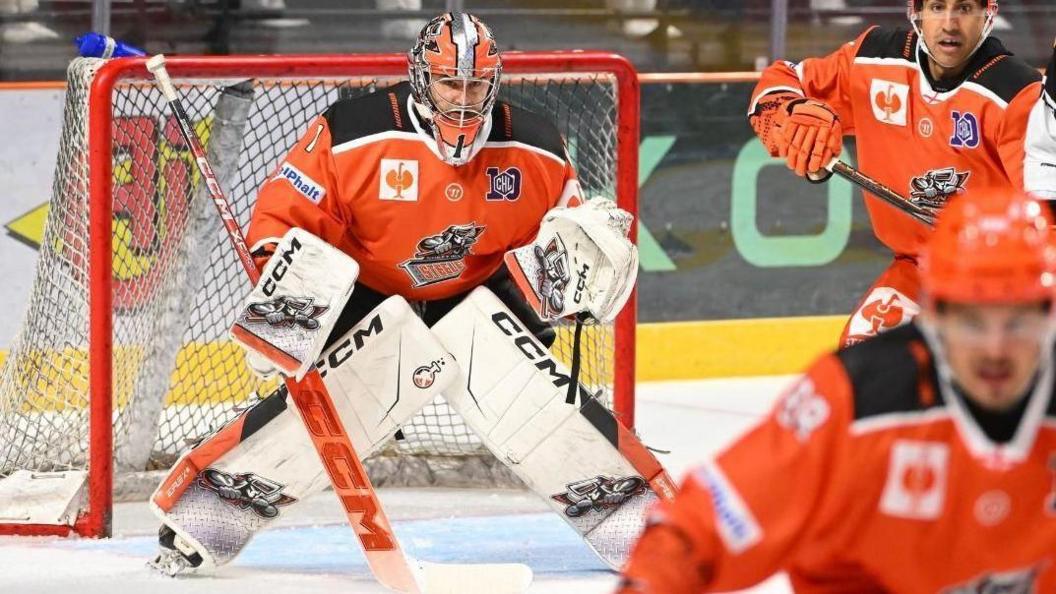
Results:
<point x="513" y="124"/>
<point x="885" y="42"/>
<point x="374" y="113"/>
<point x="891" y="373"/>
<point x="1005" y="75"/>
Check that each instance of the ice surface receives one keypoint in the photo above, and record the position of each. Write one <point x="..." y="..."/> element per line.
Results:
<point x="311" y="549"/>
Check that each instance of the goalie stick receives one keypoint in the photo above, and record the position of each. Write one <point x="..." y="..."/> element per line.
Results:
<point x="921" y="215"/>
<point x="390" y="566"/>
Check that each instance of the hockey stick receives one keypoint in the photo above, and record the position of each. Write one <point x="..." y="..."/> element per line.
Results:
<point x="390" y="566"/>
<point x="881" y="191"/>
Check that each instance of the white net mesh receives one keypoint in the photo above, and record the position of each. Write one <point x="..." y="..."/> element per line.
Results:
<point x="177" y="284"/>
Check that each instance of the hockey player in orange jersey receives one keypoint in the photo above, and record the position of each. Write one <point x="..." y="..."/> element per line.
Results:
<point x="418" y="242"/>
<point x="936" y="110"/>
<point x="919" y="461"/>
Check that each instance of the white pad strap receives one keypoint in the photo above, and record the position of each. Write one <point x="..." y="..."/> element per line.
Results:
<point x="512" y="392"/>
<point x="379" y="375"/>
<point x="288" y="316"/>
<point x="581" y="260"/>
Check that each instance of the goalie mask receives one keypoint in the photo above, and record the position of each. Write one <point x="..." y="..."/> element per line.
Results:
<point x="454" y="69"/>
<point x="918" y="11"/>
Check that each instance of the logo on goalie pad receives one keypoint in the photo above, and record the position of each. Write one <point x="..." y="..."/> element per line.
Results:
<point x="286" y="312"/>
<point x="553" y="275"/>
<point x="246" y="490"/>
<point x="438" y="258"/>
<point x="425" y="375"/>
<point x="599" y="494"/>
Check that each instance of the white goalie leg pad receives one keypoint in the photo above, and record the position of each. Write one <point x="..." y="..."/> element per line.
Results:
<point x="512" y="393"/>
<point x="581" y="260"/>
<point x="289" y="315"/>
<point x="379" y="374"/>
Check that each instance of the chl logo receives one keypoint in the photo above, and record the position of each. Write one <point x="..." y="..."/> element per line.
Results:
<point x="965" y="130"/>
<point x="505" y="184"/>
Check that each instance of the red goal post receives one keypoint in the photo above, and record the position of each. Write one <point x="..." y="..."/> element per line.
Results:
<point x="529" y="70"/>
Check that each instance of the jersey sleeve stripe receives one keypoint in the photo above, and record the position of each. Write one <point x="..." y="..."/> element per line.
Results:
<point x="770" y="91"/>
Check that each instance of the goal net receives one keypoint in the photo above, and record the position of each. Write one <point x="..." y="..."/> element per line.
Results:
<point x="123" y="361"/>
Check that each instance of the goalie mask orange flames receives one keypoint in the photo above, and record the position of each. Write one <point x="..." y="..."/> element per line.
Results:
<point x="454" y="69"/>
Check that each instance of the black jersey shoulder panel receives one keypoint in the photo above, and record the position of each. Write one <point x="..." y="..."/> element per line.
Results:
<point x="381" y="111"/>
<point x="997" y="69"/>
<point x="887" y="42"/>
<point x="885" y="375"/>
<point x="514" y="124"/>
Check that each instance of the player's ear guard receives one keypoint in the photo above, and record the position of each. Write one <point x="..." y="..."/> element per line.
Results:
<point x="288" y="316"/>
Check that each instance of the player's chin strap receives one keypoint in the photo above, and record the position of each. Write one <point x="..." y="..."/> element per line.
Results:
<point x="988" y="28"/>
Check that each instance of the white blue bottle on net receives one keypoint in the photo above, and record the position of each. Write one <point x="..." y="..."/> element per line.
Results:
<point x="97" y="45"/>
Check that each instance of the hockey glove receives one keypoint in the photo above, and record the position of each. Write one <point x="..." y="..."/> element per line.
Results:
<point x="805" y="132"/>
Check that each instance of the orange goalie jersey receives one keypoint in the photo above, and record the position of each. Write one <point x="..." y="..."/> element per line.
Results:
<point x="925" y="144"/>
<point x="367" y="179"/>
<point x="870" y="475"/>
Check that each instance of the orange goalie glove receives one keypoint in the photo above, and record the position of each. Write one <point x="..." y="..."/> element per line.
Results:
<point x="805" y="132"/>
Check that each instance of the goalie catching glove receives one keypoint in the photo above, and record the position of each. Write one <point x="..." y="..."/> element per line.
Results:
<point x="581" y="260"/>
<point x="288" y="316"/>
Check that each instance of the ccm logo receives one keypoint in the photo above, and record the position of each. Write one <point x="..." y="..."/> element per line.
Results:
<point x="343" y="351"/>
<point x="535" y="353"/>
<point x="581" y="283"/>
<point x="346" y="473"/>
<point x="286" y="258"/>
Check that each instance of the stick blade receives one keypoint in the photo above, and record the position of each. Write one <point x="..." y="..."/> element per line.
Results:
<point x="491" y="578"/>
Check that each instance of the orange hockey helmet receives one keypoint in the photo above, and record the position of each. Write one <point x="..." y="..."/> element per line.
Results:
<point x="990" y="247"/>
<point x="454" y="69"/>
<point x="914" y="9"/>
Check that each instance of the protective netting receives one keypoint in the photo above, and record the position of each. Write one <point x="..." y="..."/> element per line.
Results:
<point x="177" y="283"/>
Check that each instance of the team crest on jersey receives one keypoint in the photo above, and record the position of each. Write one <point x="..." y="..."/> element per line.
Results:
<point x="505" y="183"/>
<point x="890" y="101"/>
<point x="1016" y="581"/>
<point x="935" y="187"/>
<point x="246" y="490"/>
<point x="441" y="257"/>
<point x="965" y="130"/>
<point x="399" y="180"/>
<point x="916" y="480"/>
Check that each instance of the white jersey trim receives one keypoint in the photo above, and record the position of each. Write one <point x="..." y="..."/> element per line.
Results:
<point x="263" y="242"/>
<point x="937" y="97"/>
<point x="768" y="91"/>
<point x="899" y="419"/>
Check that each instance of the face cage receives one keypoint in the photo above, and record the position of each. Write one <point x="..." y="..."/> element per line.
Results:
<point x="418" y="71"/>
<point x="461" y="115"/>
<point x="914" y="17"/>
